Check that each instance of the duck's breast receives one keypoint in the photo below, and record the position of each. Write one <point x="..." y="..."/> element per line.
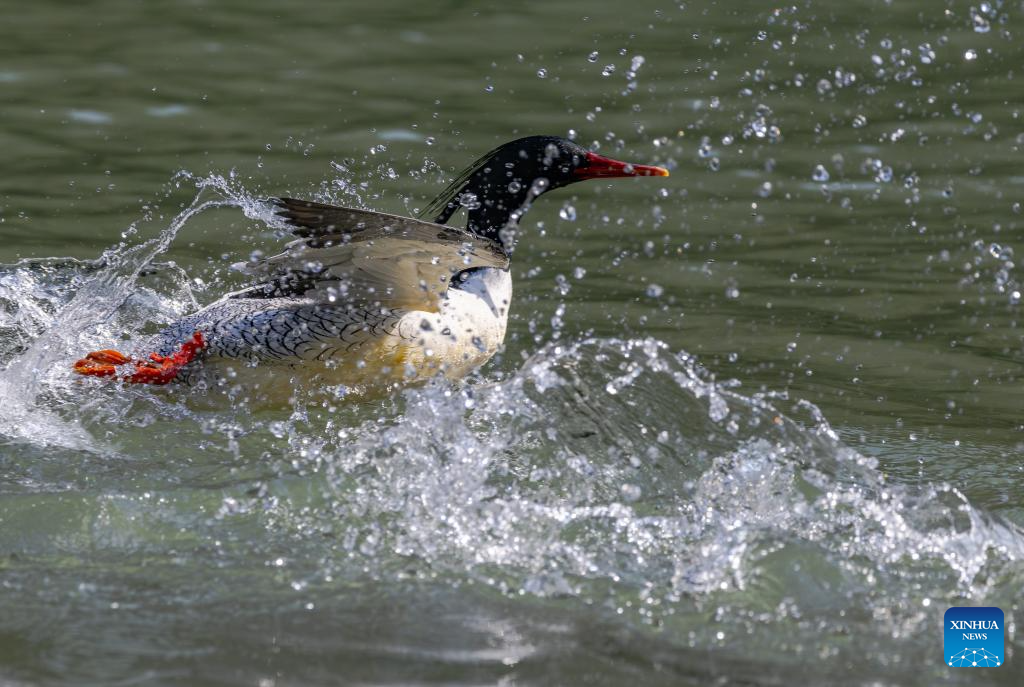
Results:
<point x="470" y="326"/>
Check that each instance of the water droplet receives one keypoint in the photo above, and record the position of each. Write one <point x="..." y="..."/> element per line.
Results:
<point x="542" y="73"/>
<point x="765" y="190"/>
<point x="980" y="22"/>
<point x="608" y="70"/>
<point x="592" y="57"/>
<point x="859" y="121"/>
<point x="704" y="150"/>
<point x="926" y="54"/>
<point x="579" y="273"/>
<point x="568" y="213"/>
<point x="430" y="140"/>
<point x="824" y="86"/>
<point x="970" y="55"/>
<point x="820" y="174"/>
<point x="489" y="88"/>
<point x="654" y="290"/>
<point x="469" y="201"/>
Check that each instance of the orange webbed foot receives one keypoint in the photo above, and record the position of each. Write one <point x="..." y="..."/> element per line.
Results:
<point x="100" y="363"/>
<point x="159" y="369"/>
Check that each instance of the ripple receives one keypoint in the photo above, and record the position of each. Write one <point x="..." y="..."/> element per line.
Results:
<point x="90" y="116"/>
<point x="173" y="110"/>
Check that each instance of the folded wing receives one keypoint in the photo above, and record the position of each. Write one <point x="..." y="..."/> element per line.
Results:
<point x="364" y="258"/>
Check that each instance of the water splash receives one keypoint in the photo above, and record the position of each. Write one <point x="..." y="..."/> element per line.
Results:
<point x="621" y="463"/>
<point x="57" y="308"/>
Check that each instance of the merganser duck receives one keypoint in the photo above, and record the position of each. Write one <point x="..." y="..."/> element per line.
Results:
<point x="366" y="299"/>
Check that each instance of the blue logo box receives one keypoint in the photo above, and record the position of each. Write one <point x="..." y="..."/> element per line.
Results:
<point x="973" y="637"/>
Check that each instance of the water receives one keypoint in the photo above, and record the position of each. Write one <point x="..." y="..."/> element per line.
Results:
<point x="755" y="423"/>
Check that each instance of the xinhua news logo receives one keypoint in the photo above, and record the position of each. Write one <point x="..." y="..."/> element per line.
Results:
<point x="973" y="637"/>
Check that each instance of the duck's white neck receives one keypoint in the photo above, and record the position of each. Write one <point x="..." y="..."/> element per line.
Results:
<point x="492" y="286"/>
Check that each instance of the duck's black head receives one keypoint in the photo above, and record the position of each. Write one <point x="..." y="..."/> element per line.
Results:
<point x="497" y="188"/>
